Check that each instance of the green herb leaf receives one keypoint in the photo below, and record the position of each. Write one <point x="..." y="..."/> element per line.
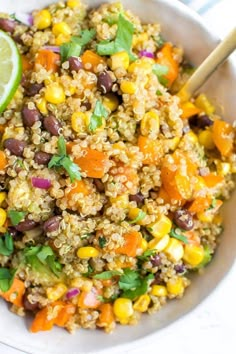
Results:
<point x="6" y="245"/>
<point x="123" y="40"/>
<point x="158" y="93"/>
<point x="129" y="280"/>
<point x="146" y="255"/>
<point x="140" y="290"/>
<point x="178" y="236"/>
<point x="89" y="272"/>
<point x="85" y="37"/>
<point x="111" y="20"/>
<point x="6" y="278"/>
<point x="141" y="215"/>
<point x="107" y="275"/>
<point x="160" y="41"/>
<point x="99" y="113"/>
<point x="102" y="241"/>
<point x="16" y="216"/>
<point x="61" y="145"/>
<point x="160" y="71"/>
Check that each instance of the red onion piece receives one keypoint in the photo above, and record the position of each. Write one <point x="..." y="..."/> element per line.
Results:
<point x="42" y="183"/>
<point x="53" y="48"/>
<point x="26" y="19"/>
<point x="72" y="293"/>
<point x="145" y="53"/>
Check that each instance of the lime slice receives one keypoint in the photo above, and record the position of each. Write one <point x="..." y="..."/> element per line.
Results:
<point x="10" y="69"/>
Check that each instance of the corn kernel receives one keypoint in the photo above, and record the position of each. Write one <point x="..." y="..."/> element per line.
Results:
<point x="205" y="216"/>
<point x="123" y="309"/>
<point x="144" y="65"/>
<point x="128" y="87"/>
<point x="161" y="227"/>
<point x="138" y="214"/>
<point x="122" y="201"/>
<point x="62" y="38"/>
<point x="150" y="124"/>
<point x="199" y="184"/>
<point x="218" y="219"/>
<point x="141" y="305"/>
<point x="56" y="292"/>
<point x="50" y="78"/>
<point x="174" y="250"/>
<point x="203" y="103"/>
<point x="192" y="137"/>
<point x="41" y="104"/>
<point x="139" y="39"/>
<point x="223" y="168"/>
<point x="3" y="217"/>
<point x="110" y="101"/>
<point x="173" y="143"/>
<point x="120" y="60"/>
<point x="79" y="121"/>
<point x="175" y="286"/>
<point x="73" y="3"/>
<point x="3" y="196"/>
<point x="54" y="93"/>
<point x="87" y="252"/>
<point x="144" y="244"/>
<point x="42" y="19"/>
<point x="159" y="244"/>
<point x="61" y="28"/>
<point x="205" y="138"/>
<point x="159" y="290"/>
<point x="193" y="254"/>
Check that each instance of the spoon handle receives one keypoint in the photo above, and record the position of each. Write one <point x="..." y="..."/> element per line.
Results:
<point x="208" y="66"/>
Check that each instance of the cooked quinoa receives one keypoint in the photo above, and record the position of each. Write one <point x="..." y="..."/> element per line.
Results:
<point x="111" y="187"/>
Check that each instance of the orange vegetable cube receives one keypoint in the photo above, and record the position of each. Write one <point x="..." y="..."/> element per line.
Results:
<point x="133" y="242"/>
<point x="93" y="163"/>
<point x="223" y="135"/>
<point x="91" y="58"/>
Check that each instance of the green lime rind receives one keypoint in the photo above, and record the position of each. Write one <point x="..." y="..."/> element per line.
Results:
<point x="14" y="76"/>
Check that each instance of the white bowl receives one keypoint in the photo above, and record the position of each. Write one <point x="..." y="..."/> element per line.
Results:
<point x="181" y="26"/>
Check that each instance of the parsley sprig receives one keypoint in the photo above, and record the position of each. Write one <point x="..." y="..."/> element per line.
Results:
<point x="133" y="284"/>
<point x="99" y="113"/>
<point x="6" y="278"/>
<point x="16" y="216"/>
<point x="6" y="245"/>
<point x="63" y="160"/>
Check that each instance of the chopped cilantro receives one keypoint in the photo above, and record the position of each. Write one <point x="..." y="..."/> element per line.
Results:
<point x="159" y="40"/>
<point x="213" y="204"/>
<point x="102" y="241"/>
<point x="89" y="272"/>
<point x="178" y="236"/>
<point x="133" y="284"/>
<point x="63" y="160"/>
<point x="16" y="216"/>
<point x="146" y="255"/>
<point x="158" y="93"/>
<point x="107" y="274"/>
<point x="6" y="245"/>
<point x="122" y="42"/>
<point x="6" y="278"/>
<point x="141" y="215"/>
<point x="99" y="113"/>
<point x="160" y="71"/>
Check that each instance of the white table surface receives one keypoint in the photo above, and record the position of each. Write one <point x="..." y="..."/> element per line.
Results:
<point x="210" y="328"/>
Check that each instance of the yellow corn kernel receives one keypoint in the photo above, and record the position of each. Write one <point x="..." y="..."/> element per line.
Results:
<point x="62" y="38"/>
<point x="3" y="196"/>
<point x="61" y="28"/>
<point x="128" y="87"/>
<point x="218" y="219"/>
<point x="174" y="250"/>
<point x="199" y="184"/>
<point x="123" y="309"/>
<point x="139" y="38"/>
<point x="42" y="19"/>
<point x="87" y="252"/>
<point x="144" y="244"/>
<point x="110" y="101"/>
<point x="192" y="137"/>
<point x="141" y="305"/>
<point x="137" y="214"/>
<point x="203" y="103"/>
<point x="159" y="290"/>
<point x="175" y="286"/>
<point x="193" y="254"/>
<point x="41" y="104"/>
<point x="173" y="143"/>
<point x="50" y="78"/>
<point x="120" y="60"/>
<point x="144" y="65"/>
<point x="3" y="217"/>
<point x="223" y="168"/>
<point x="121" y="200"/>
<point x="54" y="93"/>
<point x="159" y="244"/>
<point x="56" y="292"/>
<point x="150" y="124"/>
<point x="205" y="138"/>
<point x="205" y="216"/>
<point x="79" y="122"/>
<point x="160" y="227"/>
<point x="73" y="3"/>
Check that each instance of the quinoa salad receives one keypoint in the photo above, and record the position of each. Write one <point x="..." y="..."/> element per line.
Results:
<point x="111" y="186"/>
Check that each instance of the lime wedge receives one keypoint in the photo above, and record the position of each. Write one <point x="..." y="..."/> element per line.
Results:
<point x="10" y="69"/>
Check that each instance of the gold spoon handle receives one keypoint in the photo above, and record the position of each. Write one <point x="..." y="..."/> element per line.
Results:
<point x="209" y="65"/>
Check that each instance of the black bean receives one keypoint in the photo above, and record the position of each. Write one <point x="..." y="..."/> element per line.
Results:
<point x="42" y="158"/>
<point x="87" y="105"/>
<point x="193" y="121"/>
<point x="183" y="219"/>
<point x="29" y="306"/>
<point x="52" y="224"/>
<point x="52" y="125"/>
<point x="200" y="121"/>
<point x="26" y="225"/>
<point x="30" y="116"/>
<point x="75" y="64"/>
<point x="104" y="82"/>
<point x="7" y="25"/>
<point x="138" y="198"/>
<point x="12" y="231"/>
<point x="33" y="89"/>
<point x="15" y="146"/>
<point x="180" y="268"/>
<point x="17" y="38"/>
<point x="99" y="185"/>
<point x="155" y="260"/>
<point x="157" y="280"/>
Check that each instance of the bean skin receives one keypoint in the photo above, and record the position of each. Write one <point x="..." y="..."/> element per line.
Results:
<point x="33" y="89"/>
<point x="87" y="105"/>
<point x="30" y="116"/>
<point x="42" y="158"/>
<point x="52" y="224"/>
<point x="52" y="125"/>
<point x="183" y="219"/>
<point x="99" y="185"/>
<point x="200" y="121"/>
<point x="104" y="82"/>
<point x="138" y="198"/>
<point x="155" y="260"/>
<point x="29" y="306"/>
<point x="75" y="64"/>
<point x="15" y="146"/>
<point x="26" y="225"/>
<point x="7" y="25"/>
